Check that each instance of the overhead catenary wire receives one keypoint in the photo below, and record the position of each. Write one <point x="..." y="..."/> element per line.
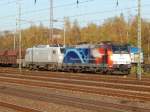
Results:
<point x="73" y="16"/>
<point x="60" y="19"/>
<point x="68" y="4"/>
<point x="117" y="3"/>
<point x="43" y="9"/>
<point x="7" y="3"/>
<point x="25" y="22"/>
<point x="64" y="5"/>
<point x="106" y="11"/>
<point x="95" y="13"/>
<point x="40" y="10"/>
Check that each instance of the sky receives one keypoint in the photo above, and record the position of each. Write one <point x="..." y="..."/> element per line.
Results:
<point x="87" y="11"/>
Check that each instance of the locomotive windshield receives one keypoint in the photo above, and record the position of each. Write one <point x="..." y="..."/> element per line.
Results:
<point x="120" y="49"/>
<point x="62" y="50"/>
<point x="124" y="49"/>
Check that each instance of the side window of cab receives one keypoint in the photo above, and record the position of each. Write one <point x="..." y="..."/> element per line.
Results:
<point x="54" y="52"/>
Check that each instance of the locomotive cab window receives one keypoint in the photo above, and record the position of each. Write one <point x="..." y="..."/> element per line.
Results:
<point x="54" y="52"/>
<point x="120" y="49"/>
<point x="124" y="49"/>
<point x="116" y="49"/>
<point x="62" y="50"/>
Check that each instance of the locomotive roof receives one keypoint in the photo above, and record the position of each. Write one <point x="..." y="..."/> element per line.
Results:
<point x="47" y="46"/>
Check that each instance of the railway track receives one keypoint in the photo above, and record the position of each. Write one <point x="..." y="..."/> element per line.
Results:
<point x="113" y="79"/>
<point x="107" y="82"/>
<point x="71" y="101"/>
<point x="17" y="108"/>
<point x="109" y="86"/>
<point x="130" y="77"/>
<point x="109" y="91"/>
<point x="121" y="86"/>
<point x="16" y="70"/>
<point x="117" y="79"/>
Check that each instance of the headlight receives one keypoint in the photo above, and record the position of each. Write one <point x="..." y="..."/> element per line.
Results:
<point x="111" y="57"/>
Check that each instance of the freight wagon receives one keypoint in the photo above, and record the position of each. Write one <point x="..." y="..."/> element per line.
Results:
<point x="3" y="57"/>
<point x="11" y="57"/>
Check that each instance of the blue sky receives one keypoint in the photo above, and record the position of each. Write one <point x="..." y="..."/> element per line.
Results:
<point x="85" y="12"/>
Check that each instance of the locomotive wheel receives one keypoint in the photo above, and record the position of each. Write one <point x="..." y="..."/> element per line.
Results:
<point x="127" y="72"/>
<point x="34" y="67"/>
<point x="109" y="72"/>
<point x="30" y="67"/>
<point x="49" y="68"/>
